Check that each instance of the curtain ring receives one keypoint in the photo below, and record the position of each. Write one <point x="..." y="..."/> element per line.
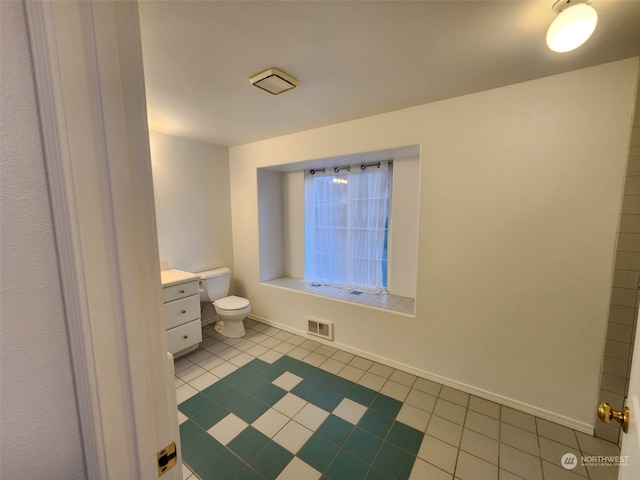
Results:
<point x="379" y="164"/>
<point x="336" y="170"/>
<point x="312" y="172"/>
<point x="363" y="167"/>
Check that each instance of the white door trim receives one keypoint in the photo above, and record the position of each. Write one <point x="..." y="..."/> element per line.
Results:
<point x="88" y="63"/>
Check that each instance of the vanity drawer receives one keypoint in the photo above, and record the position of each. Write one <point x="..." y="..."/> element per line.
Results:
<point x="184" y="336"/>
<point x="181" y="311"/>
<point x="180" y="290"/>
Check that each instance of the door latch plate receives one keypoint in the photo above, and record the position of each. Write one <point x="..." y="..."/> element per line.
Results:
<point x="167" y="458"/>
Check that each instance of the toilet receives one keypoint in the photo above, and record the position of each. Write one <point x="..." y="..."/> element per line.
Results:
<point x="231" y="310"/>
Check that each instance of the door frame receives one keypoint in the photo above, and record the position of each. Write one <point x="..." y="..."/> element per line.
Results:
<point x="87" y="58"/>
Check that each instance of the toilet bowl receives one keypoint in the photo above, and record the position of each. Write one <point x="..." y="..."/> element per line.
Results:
<point x="231" y="310"/>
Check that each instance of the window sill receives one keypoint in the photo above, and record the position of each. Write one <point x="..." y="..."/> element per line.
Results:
<point x="393" y="303"/>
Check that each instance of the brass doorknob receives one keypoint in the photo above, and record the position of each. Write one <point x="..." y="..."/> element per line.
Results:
<point x="606" y="414"/>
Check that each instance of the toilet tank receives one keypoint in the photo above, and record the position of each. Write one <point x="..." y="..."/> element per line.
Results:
<point x="214" y="284"/>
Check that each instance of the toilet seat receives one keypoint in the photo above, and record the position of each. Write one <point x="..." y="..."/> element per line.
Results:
<point x="231" y="303"/>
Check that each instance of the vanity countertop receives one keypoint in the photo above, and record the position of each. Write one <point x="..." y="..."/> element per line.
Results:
<point x="174" y="277"/>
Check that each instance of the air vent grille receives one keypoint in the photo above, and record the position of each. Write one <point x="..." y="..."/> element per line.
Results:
<point x="320" y="328"/>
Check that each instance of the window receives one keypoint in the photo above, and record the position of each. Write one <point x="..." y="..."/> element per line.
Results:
<point x="346" y="225"/>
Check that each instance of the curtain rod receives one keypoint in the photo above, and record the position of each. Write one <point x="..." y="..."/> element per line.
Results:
<point x="363" y="166"/>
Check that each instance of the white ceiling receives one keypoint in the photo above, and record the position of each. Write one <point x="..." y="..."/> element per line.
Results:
<point x="352" y="58"/>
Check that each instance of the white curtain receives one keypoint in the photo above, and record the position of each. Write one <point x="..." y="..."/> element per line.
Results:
<point x="346" y="218"/>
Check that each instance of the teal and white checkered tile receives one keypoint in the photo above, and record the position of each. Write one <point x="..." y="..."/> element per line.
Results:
<point x="291" y="420"/>
<point x="278" y="406"/>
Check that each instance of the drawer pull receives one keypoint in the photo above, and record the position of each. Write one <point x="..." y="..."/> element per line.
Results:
<point x="181" y="291"/>
<point x="185" y="337"/>
<point x="184" y="311"/>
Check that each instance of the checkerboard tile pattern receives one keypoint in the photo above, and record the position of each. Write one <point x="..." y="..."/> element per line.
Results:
<point x="277" y="406"/>
<point x="289" y="419"/>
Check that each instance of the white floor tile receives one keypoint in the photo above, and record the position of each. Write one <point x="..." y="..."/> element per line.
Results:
<point x="224" y="369"/>
<point x="227" y="429"/>
<point x="311" y="416"/>
<point x="423" y="471"/>
<point x="293" y="436"/>
<point x="287" y="381"/>
<point x="270" y="422"/>
<point x="414" y="417"/>
<point x="351" y="373"/>
<point x="438" y="453"/>
<point x="190" y="373"/>
<point x="203" y="381"/>
<point x="270" y="356"/>
<point x="241" y="359"/>
<point x="374" y="382"/>
<point x="332" y="365"/>
<point x="290" y="405"/>
<point x="403" y="378"/>
<point x="395" y="390"/>
<point x="350" y="411"/>
<point x="185" y="392"/>
<point x="299" y="470"/>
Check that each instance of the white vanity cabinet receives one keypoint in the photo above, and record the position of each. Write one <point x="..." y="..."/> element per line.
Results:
<point x="180" y="293"/>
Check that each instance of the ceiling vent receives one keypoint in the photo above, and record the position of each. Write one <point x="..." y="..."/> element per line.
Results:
<point x="274" y="81"/>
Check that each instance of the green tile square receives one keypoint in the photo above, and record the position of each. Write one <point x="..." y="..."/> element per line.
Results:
<point x="286" y="363"/>
<point x="327" y="400"/>
<point x="232" y="398"/>
<point x="222" y="466"/>
<point x="375" y="474"/>
<point x="302" y="369"/>
<point x="253" y="384"/>
<point x="347" y="467"/>
<point x="248" y="443"/>
<point x="271" y="372"/>
<point x="393" y="461"/>
<point x="363" y="444"/>
<point x="362" y="395"/>
<point x="405" y="437"/>
<point x="335" y="429"/>
<point x="376" y="423"/>
<point x="386" y="405"/>
<point x="306" y="389"/>
<point x="237" y="377"/>
<point x="271" y="460"/>
<point x="218" y="389"/>
<point x="250" y="409"/>
<point x="318" y="452"/>
<point x="270" y="394"/>
<point x="254" y="366"/>
<point x="248" y="473"/>
<point x="197" y="453"/>
<point x="320" y="377"/>
<point x="195" y="404"/>
<point x="338" y="385"/>
<point x="211" y="415"/>
<point x="189" y="432"/>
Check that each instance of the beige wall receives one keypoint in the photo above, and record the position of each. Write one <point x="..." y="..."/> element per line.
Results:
<point x="616" y="364"/>
<point x="193" y="210"/>
<point x="520" y="189"/>
<point x="40" y="419"/>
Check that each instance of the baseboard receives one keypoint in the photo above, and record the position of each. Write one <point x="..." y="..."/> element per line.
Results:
<point x="478" y="392"/>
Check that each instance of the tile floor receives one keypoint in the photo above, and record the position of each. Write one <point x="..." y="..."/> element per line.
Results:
<point x="273" y="405"/>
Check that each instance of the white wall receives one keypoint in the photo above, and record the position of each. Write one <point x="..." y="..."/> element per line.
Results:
<point x="520" y="190"/>
<point x="40" y="430"/>
<point x="193" y="209"/>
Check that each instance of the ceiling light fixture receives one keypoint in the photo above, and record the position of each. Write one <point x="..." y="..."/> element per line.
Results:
<point x="274" y="81"/>
<point x="575" y="22"/>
